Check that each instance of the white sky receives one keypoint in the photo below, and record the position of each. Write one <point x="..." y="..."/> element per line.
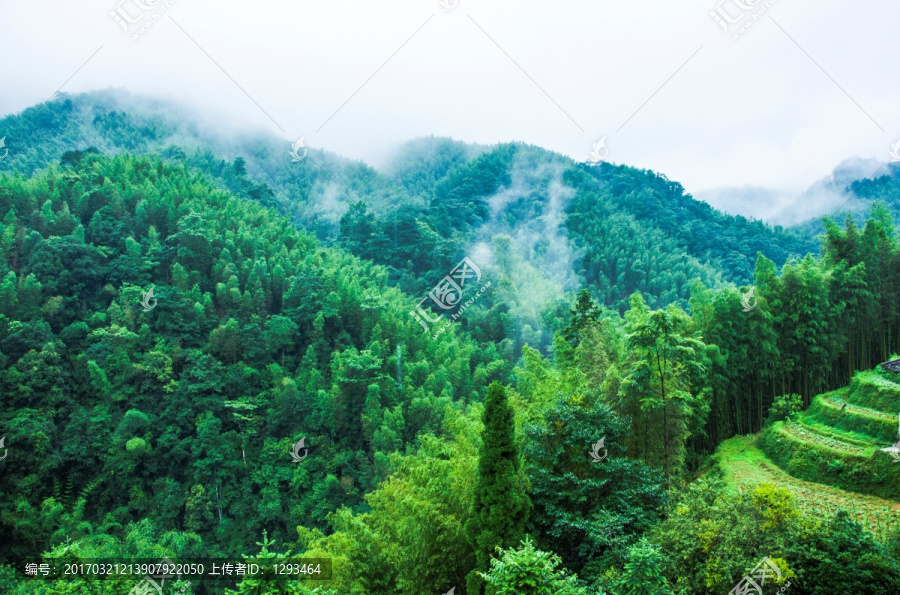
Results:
<point x="755" y="111"/>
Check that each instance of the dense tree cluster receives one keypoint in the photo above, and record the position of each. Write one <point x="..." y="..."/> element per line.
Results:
<point x="144" y="425"/>
<point x="185" y="413"/>
<point x="814" y="324"/>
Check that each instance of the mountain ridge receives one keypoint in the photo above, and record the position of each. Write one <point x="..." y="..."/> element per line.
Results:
<point x="446" y="197"/>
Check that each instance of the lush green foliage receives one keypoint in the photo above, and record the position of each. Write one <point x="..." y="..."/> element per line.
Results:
<point x="785" y="407"/>
<point x="713" y="538"/>
<point x="807" y="330"/>
<point x="833" y="410"/>
<point x="643" y="574"/>
<point x="665" y="363"/>
<point x="816" y="457"/>
<point x="731" y="242"/>
<point x="587" y="512"/>
<point x="186" y="413"/>
<point x="529" y="571"/>
<point x="167" y="431"/>
<point x="617" y="228"/>
<point x="500" y="505"/>
<point x="868" y="389"/>
<point x="839" y="445"/>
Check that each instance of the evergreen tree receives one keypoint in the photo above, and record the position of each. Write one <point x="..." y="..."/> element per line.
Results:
<point x="252" y="585"/>
<point x="643" y="573"/>
<point x="529" y="571"/>
<point x="501" y="505"/>
<point x="664" y="360"/>
<point x="585" y="313"/>
<point x="587" y="512"/>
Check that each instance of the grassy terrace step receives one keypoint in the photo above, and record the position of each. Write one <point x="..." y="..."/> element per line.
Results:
<point x="745" y="466"/>
<point x="831" y="438"/>
<point x="812" y="456"/>
<point x="869" y="389"/>
<point x="862" y="439"/>
<point x="827" y="409"/>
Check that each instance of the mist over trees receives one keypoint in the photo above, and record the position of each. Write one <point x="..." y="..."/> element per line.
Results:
<point x="622" y="315"/>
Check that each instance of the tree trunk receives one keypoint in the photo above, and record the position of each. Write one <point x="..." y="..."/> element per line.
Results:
<point x="662" y="388"/>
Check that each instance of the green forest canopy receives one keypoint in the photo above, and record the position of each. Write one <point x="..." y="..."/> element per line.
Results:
<point x="167" y="432"/>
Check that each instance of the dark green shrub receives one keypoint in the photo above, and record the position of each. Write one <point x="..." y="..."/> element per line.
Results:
<point x="785" y="407"/>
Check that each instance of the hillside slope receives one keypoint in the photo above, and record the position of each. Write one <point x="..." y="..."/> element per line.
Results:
<point x="840" y="446"/>
<point x="859" y="196"/>
<point x="611" y="227"/>
<point x="745" y="466"/>
<point x="254" y="336"/>
<point x="830" y="456"/>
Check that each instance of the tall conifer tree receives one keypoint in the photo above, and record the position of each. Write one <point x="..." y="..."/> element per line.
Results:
<point x="501" y="505"/>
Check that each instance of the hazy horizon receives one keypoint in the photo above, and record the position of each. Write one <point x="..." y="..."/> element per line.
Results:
<point x="779" y="108"/>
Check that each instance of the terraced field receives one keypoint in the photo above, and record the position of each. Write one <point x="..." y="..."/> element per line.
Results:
<point x="746" y="466"/>
<point x="829" y="456"/>
<point x="806" y="431"/>
<point x="835" y="401"/>
<point x="833" y="409"/>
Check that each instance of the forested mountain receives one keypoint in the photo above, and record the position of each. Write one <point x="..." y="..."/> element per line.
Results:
<point x="858" y="197"/>
<point x="552" y="226"/>
<point x="550" y="435"/>
<point x="885" y="188"/>
<point x="436" y="197"/>
<point x="258" y="337"/>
